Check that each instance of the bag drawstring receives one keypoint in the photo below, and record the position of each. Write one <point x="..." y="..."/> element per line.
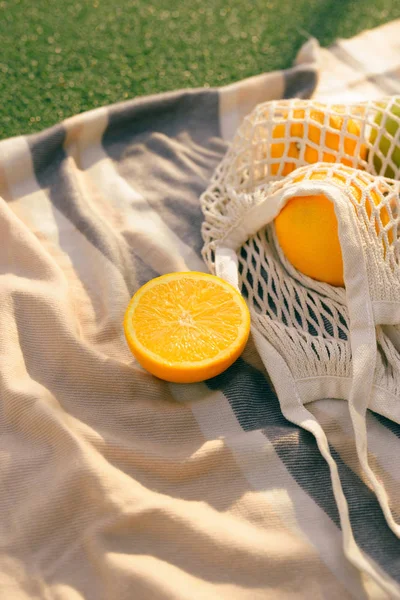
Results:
<point x="226" y="267"/>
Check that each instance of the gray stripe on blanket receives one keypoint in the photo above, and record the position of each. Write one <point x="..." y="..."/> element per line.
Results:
<point x="300" y="82"/>
<point x="257" y="408"/>
<point x="52" y="173"/>
<point x="167" y="147"/>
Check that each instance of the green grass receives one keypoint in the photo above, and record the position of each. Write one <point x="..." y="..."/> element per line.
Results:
<point x="61" y="57"/>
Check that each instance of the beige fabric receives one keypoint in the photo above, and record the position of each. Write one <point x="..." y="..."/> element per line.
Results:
<point x="115" y="485"/>
<point x="109" y="487"/>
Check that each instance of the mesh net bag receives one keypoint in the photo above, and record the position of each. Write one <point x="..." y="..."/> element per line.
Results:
<point x="317" y="340"/>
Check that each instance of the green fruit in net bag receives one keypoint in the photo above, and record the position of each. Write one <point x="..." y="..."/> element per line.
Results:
<point x="388" y="130"/>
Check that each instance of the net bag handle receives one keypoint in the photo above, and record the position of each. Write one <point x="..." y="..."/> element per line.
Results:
<point x="363" y="347"/>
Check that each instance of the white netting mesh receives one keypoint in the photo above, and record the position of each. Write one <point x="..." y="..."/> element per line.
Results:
<point x="307" y="320"/>
<point x="280" y="136"/>
<point x="317" y="340"/>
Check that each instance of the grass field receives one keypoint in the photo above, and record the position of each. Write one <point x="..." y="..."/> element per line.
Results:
<point x="61" y="57"/>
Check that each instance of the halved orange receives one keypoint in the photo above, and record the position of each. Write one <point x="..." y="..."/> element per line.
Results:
<point x="186" y="327"/>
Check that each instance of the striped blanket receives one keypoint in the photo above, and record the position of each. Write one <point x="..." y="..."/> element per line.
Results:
<point x="115" y="485"/>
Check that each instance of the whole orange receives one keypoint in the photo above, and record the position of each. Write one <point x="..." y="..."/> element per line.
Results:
<point x="307" y="228"/>
<point x="314" y="140"/>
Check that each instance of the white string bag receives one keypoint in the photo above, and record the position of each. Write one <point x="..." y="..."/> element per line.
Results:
<point x="318" y="341"/>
